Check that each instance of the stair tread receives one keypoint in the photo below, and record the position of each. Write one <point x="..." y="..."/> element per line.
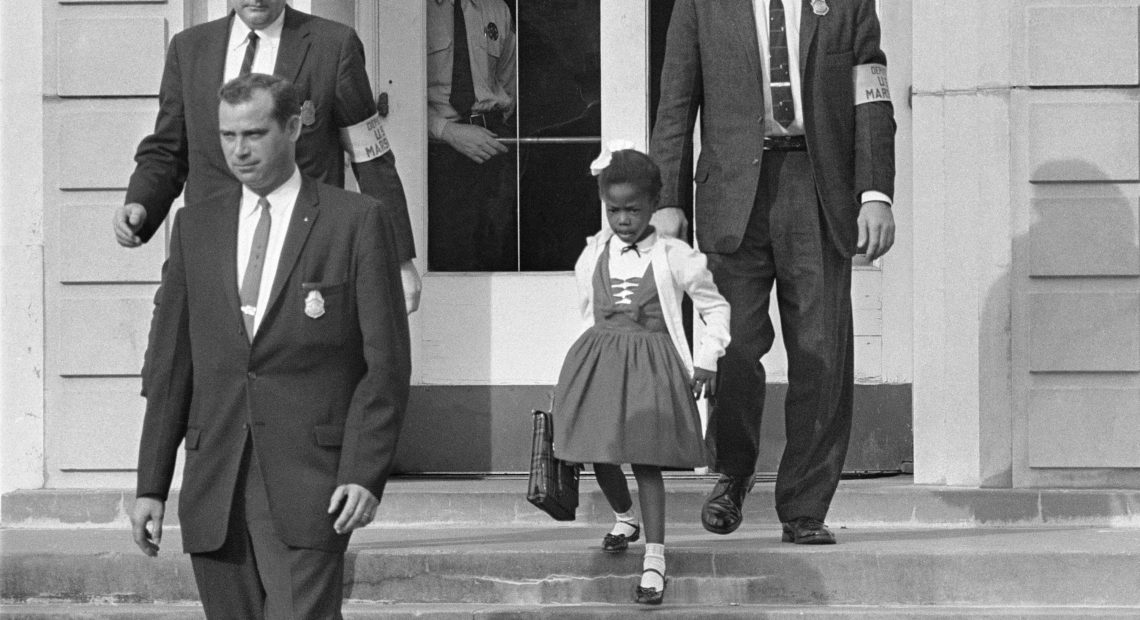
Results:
<point x="682" y="539"/>
<point x="359" y="609"/>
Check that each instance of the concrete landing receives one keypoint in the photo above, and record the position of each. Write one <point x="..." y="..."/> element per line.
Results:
<point x="501" y="501"/>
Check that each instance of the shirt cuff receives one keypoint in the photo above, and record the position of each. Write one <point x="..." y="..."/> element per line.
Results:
<point x="872" y="196"/>
<point x="436" y="126"/>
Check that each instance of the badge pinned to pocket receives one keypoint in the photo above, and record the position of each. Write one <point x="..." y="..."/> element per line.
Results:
<point x="308" y="113"/>
<point x="314" y="304"/>
<point x="819" y="7"/>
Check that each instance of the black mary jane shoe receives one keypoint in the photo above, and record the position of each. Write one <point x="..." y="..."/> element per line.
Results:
<point x="616" y="543"/>
<point x="651" y="596"/>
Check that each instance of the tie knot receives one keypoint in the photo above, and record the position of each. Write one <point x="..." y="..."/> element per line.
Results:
<point x="252" y="36"/>
<point x="263" y="204"/>
<point x="631" y="248"/>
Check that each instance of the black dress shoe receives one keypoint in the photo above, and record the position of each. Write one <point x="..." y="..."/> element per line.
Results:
<point x="722" y="512"/>
<point x="616" y="543"/>
<point x="807" y="531"/>
<point x="651" y="596"/>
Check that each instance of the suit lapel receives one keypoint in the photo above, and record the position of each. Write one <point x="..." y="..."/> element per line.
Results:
<point x="229" y="238"/>
<point x="304" y="216"/>
<point x="742" y="19"/>
<point x="294" y="45"/>
<point x="809" y="22"/>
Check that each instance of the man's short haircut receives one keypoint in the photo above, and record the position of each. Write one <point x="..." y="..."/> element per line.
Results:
<point x="281" y="91"/>
<point x="633" y="167"/>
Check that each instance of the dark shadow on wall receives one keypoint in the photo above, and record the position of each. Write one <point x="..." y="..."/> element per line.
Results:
<point x="1081" y="226"/>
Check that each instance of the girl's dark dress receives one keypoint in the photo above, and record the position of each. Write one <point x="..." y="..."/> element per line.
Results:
<point x="623" y="394"/>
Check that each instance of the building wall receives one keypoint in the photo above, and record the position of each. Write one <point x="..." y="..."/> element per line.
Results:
<point x="1027" y="307"/>
<point x="77" y="92"/>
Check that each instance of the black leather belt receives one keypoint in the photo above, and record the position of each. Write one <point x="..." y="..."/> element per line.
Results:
<point x="785" y="143"/>
<point x="493" y="118"/>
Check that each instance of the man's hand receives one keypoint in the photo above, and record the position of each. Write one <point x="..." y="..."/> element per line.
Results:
<point x="127" y="221"/>
<point x="670" y="222"/>
<point x="147" y="510"/>
<point x="876" y="229"/>
<point x="358" y="509"/>
<point x="703" y="383"/>
<point x="412" y="286"/>
<point x="476" y="142"/>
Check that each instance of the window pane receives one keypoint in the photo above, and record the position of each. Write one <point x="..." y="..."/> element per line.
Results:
<point x="531" y="207"/>
<point x="560" y="107"/>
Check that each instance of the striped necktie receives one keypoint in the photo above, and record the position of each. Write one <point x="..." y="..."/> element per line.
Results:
<point x="783" y="108"/>
<point x="250" y="53"/>
<point x="251" y="281"/>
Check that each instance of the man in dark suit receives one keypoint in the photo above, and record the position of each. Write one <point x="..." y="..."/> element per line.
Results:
<point x="323" y="59"/>
<point x="281" y="358"/>
<point x="796" y="171"/>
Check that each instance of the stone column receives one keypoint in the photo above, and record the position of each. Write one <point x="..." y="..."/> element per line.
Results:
<point x="963" y="234"/>
<point x="21" y="246"/>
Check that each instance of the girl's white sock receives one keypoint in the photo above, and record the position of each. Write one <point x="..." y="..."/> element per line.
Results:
<point x="626" y="523"/>
<point x="655" y="559"/>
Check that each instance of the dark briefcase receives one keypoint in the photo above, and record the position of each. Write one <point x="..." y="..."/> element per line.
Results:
<point x="553" y="483"/>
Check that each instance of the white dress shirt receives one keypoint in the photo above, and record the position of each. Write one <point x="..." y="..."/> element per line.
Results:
<point x="266" y="59"/>
<point x="793" y="9"/>
<point x="281" y="201"/>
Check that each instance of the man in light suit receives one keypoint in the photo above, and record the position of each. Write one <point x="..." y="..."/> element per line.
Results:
<point x="281" y="358"/>
<point x="325" y="62"/>
<point x="796" y="172"/>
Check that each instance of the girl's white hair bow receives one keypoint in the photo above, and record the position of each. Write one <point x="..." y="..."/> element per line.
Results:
<point x="602" y="161"/>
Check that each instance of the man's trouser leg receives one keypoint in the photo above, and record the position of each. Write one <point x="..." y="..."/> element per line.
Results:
<point x="813" y="293"/>
<point x="256" y="575"/>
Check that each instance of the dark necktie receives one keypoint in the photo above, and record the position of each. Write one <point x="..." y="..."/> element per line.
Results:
<point x="631" y="248"/>
<point x="250" y="53"/>
<point x="462" y="87"/>
<point x="251" y="281"/>
<point x="783" y="109"/>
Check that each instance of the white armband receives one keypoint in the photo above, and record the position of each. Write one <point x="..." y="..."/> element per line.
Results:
<point x="365" y="140"/>
<point x="871" y="83"/>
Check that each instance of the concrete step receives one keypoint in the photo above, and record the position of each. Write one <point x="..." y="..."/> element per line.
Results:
<point x="464" y="611"/>
<point x="563" y="565"/>
<point x="501" y="502"/>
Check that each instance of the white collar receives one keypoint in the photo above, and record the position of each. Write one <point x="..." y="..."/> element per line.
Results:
<point x="284" y="196"/>
<point x="269" y="34"/>
<point x="643" y="246"/>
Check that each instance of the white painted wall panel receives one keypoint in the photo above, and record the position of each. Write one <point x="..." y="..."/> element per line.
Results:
<point x="1082" y="45"/>
<point x="497" y="329"/>
<point x="102" y="336"/>
<point x="113" y="56"/>
<point x="1084" y="427"/>
<point x="1088" y="140"/>
<point x="1084" y="332"/>
<point x="100" y="420"/>
<point x="96" y="144"/>
<point x="92" y="256"/>
<point x="1085" y="237"/>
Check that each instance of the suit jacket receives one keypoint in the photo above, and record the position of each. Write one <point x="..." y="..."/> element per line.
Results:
<point x="323" y="398"/>
<point x="322" y="58"/>
<point x="712" y="65"/>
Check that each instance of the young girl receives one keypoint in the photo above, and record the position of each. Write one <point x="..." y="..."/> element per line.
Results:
<point x="626" y="390"/>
